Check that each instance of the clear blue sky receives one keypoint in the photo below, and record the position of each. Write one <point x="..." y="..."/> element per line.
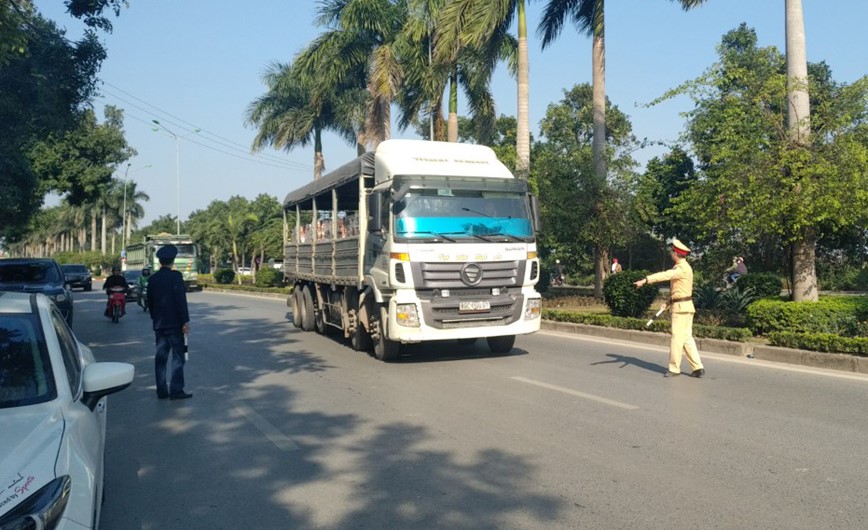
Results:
<point x="197" y="64"/>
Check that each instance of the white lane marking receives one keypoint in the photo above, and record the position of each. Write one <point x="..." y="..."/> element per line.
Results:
<point x="759" y="363"/>
<point x="270" y="431"/>
<point x="575" y="393"/>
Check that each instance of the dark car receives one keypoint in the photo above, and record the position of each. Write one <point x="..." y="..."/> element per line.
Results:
<point x="37" y="275"/>
<point x="78" y="276"/>
<point x="132" y="278"/>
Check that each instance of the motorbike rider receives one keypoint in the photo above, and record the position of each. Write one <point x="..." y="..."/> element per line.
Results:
<point x="143" y="288"/>
<point x="558" y="278"/>
<point x="115" y="280"/>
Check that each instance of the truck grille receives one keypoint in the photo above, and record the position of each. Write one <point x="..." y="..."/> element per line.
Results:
<point x="434" y="275"/>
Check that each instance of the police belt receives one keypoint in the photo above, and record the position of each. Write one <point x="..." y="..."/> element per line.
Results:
<point x="684" y="299"/>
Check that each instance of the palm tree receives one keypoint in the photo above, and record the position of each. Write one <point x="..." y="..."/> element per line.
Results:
<point x="588" y="16"/>
<point x="134" y="209"/>
<point x="294" y="113"/>
<point x="484" y="24"/>
<point x="799" y="122"/>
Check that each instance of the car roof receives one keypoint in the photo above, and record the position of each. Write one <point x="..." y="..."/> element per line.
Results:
<point x="27" y="260"/>
<point x="13" y="302"/>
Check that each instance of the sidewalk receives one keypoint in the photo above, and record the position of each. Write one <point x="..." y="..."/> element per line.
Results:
<point x="831" y="361"/>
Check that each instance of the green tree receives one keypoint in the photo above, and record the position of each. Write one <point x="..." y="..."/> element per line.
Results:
<point x="42" y="93"/>
<point x="578" y="213"/>
<point x="665" y="179"/>
<point x="588" y="16"/>
<point x="296" y="110"/>
<point x="483" y="24"/>
<point x="756" y="181"/>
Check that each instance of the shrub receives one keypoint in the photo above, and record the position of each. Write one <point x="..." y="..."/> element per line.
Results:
<point x="595" y="319"/>
<point x="763" y="284"/>
<point x="268" y="277"/>
<point x="838" y="315"/>
<point x="623" y="299"/>
<point x="825" y="342"/>
<point x="224" y="276"/>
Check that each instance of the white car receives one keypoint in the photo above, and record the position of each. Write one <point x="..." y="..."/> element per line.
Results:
<point x="53" y="414"/>
<point x="244" y="271"/>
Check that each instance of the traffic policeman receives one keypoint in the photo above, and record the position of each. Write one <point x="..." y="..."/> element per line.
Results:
<point x="680" y="278"/>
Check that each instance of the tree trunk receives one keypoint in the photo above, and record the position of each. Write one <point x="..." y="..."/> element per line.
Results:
<point x="360" y="143"/>
<point x="93" y="230"/>
<point x="601" y="261"/>
<point x="104" y="218"/>
<point x="452" y="128"/>
<point x="804" y="279"/>
<point x="522" y="140"/>
<point x="318" y="159"/>
<point x="798" y="107"/>
<point x="598" y="145"/>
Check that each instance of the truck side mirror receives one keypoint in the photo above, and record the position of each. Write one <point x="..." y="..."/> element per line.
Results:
<point x="375" y="212"/>
<point x="534" y="206"/>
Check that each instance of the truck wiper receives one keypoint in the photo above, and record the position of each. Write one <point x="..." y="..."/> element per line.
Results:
<point x="432" y="233"/>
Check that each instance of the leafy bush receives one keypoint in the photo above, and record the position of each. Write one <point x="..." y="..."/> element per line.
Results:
<point x="763" y="284"/>
<point x="825" y="342"/>
<point x="623" y="299"/>
<point x="838" y="315"/>
<point x="844" y="279"/>
<point x="638" y="324"/>
<point x="268" y="277"/>
<point x="224" y="276"/>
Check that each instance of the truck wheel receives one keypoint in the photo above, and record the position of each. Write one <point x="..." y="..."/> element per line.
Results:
<point x="296" y="306"/>
<point x="320" y="323"/>
<point x="384" y="349"/>
<point x="360" y="338"/>
<point x="307" y="311"/>
<point x="501" y="344"/>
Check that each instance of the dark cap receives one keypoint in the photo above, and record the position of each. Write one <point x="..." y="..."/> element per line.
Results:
<point x="167" y="252"/>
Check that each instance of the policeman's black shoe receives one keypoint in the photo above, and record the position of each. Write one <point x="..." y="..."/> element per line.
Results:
<point x="671" y="374"/>
<point x="182" y="395"/>
<point x="162" y="396"/>
<point x="698" y="373"/>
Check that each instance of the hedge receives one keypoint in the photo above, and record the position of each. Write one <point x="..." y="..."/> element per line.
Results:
<point x="763" y="284"/>
<point x="837" y="315"/>
<point x="824" y="342"/>
<point x="596" y="319"/>
<point x="623" y="298"/>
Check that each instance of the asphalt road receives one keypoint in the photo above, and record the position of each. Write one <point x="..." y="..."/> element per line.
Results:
<point x="295" y="430"/>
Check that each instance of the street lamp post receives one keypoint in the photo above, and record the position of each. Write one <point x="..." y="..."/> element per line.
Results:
<point x="126" y="227"/>
<point x="177" y="165"/>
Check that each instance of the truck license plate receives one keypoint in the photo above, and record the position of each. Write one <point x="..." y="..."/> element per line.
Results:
<point x="474" y="307"/>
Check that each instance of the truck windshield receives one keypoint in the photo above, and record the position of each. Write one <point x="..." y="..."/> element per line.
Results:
<point x="184" y="250"/>
<point x="457" y="213"/>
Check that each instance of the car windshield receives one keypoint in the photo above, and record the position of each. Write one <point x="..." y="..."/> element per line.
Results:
<point x="132" y="275"/>
<point x="74" y="268"/>
<point x="25" y="368"/>
<point x="35" y="272"/>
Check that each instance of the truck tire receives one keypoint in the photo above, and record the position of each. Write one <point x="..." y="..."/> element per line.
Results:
<point x="384" y="349"/>
<point x="501" y="345"/>
<point x="359" y="338"/>
<point x="319" y="320"/>
<point x="307" y="310"/>
<point x="296" y="306"/>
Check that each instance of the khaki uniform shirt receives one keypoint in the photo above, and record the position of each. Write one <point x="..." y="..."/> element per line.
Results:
<point x="680" y="279"/>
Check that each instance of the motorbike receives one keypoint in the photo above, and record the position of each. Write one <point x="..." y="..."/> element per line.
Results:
<point x="557" y="280"/>
<point x="117" y="303"/>
<point x="143" y="297"/>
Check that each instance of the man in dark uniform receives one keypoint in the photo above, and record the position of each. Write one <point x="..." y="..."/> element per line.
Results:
<point x="167" y="302"/>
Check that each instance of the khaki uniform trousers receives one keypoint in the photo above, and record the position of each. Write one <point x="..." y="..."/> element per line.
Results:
<point x="682" y="342"/>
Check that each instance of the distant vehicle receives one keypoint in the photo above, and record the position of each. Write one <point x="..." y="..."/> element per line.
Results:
<point x="144" y="254"/>
<point x="37" y="275"/>
<point x="53" y="410"/>
<point x="132" y="278"/>
<point x="77" y="275"/>
<point x="244" y="271"/>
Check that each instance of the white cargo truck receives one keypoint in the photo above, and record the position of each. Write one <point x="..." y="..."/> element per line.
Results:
<point x="419" y="241"/>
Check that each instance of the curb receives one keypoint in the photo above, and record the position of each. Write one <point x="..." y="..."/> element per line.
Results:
<point x="829" y="361"/>
<point x="246" y="293"/>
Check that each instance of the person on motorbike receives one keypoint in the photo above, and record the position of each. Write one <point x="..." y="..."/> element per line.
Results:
<point x="143" y="288"/>
<point x="115" y="280"/>
<point x="558" y="276"/>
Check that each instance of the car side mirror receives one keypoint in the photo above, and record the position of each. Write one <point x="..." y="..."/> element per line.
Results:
<point x="102" y="379"/>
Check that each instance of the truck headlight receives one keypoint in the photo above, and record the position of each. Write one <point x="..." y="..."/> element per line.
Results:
<point x="533" y="309"/>
<point x="406" y="315"/>
<point x="43" y="509"/>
